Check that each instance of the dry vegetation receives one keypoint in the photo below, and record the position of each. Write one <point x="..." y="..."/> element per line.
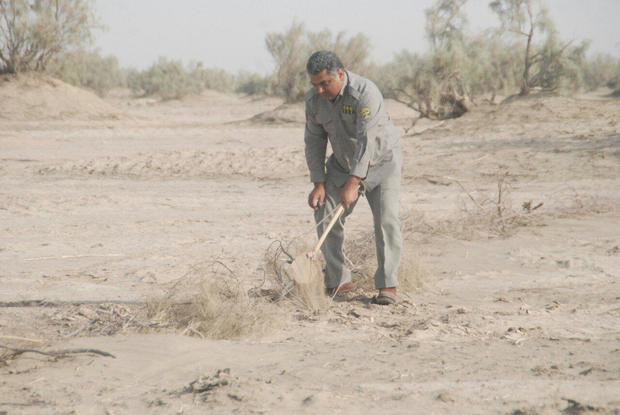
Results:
<point x="360" y="253"/>
<point x="146" y="250"/>
<point x="211" y="302"/>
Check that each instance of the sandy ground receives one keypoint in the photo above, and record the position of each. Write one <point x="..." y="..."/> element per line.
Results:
<point x="519" y="310"/>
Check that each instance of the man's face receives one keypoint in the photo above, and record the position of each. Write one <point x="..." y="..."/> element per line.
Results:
<point x="328" y="85"/>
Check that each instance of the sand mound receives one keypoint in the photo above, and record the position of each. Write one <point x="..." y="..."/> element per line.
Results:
<point x="283" y="114"/>
<point x="536" y="117"/>
<point x="38" y="97"/>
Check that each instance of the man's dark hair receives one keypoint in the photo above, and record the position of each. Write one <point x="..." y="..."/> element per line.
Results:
<point x="323" y="60"/>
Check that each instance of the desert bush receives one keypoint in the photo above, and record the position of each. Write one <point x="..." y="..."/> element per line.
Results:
<point x="253" y="84"/>
<point x="613" y="81"/>
<point x="212" y="78"/>
<point x="460" y="68"/>
<point x="166" y="78"/>
<point x="563" y="67"/>
<point x="88" y="70"/>
<point x="33" y="32"/>
<point x="601" y="70"/>
<point x="170" y="79"/>
<point x="492" y="67"/>
<point x="410" y="79"/>
<point x="291" y="49"/>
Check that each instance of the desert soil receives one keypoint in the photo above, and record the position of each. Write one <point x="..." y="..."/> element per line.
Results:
<point x="106" y="203"/>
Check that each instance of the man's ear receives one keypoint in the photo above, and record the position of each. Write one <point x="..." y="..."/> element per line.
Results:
<point x="341" y="74"/>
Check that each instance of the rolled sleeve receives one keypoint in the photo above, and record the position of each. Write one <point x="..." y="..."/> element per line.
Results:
<point x="315" y="139"/>
<point x="368" y="111"/>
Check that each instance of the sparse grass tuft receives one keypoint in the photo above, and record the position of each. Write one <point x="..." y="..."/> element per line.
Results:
<point x="211" y="304"/>
<point x="485" y="214"/>
<point x="361" y="252"/>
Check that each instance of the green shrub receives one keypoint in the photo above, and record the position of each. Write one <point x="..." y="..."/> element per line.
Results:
<point x="167" y="79"/>
<point x="88" y="70"/>
<point x="253" y="84"/>
<point x="212" y="78"/>
<point x="602" y="70"/>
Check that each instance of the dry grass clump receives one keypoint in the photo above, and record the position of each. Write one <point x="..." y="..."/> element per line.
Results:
<point x="302" y="284"/>
<point x="361" y="253"/>
<point x="493" y="213"/>
<point x="485" y="214"/>
<point x="413" y="275"/>
<point x="211" y="303"/>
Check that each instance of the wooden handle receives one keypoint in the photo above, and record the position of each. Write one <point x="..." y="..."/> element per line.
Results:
<point x="329" y="227"/>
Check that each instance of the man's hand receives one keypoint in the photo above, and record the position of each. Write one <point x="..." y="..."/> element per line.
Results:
<point x="316" y="198"/>
<point x="350" y="191"/>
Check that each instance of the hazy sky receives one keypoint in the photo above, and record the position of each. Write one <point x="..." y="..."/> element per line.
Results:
<point x="230" y="34"/>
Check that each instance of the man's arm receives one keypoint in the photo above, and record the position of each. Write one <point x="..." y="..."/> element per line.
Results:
<point x="367" y="119"/>
<point x="315" y="139"/>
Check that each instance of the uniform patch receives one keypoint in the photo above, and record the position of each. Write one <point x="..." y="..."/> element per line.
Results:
<point x="347" y="109"/>
<point x="365" y="113"/>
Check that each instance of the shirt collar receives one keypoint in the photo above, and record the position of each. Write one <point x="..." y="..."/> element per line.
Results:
<point x="344" y="84"/>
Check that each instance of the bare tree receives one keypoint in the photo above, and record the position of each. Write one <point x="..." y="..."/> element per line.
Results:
<point x="433" y="84"/>
<point x="32" y="32"/>
<point x="526" y="19"/>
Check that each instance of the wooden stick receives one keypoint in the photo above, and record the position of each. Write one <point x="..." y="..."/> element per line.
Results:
<point x="329" y="227"/>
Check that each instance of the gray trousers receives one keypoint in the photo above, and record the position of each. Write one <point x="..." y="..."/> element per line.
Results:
<point x="384" y="201"/>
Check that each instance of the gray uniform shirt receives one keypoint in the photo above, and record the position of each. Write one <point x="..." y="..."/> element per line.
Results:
<point x="359" y="130"/>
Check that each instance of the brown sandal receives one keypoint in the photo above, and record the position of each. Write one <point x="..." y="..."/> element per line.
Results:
<point x="385" y="298"/>
<point x="342" y="289"/>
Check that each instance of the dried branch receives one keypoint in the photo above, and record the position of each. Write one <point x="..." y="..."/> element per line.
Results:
<point x="53" y="353"/>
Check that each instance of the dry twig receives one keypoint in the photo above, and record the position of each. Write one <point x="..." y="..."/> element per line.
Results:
<point x="14" y="352"/>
